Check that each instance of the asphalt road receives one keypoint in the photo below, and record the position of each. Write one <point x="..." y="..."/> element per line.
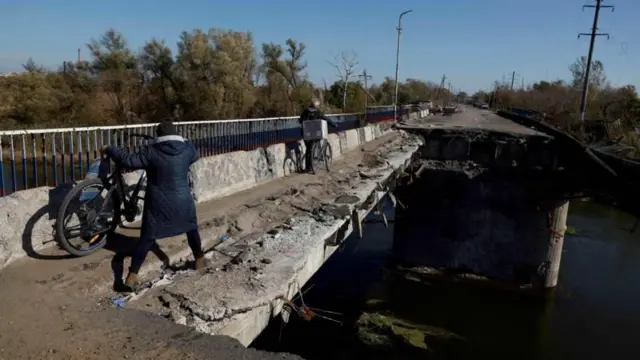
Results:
<point x="474" y="118"/>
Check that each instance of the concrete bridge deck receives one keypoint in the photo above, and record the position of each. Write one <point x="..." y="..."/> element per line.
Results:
<point x="471" y="119"/>
<point x="282" y="231"/>
<point x="58" y="307"/>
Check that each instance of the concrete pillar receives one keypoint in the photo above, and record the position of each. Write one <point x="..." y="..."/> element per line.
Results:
<point x="557" y="227"/>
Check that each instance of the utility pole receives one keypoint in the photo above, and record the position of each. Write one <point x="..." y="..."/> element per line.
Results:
<point x="494" y="97"/>
<point x="441" y="88"/>
<point x="365" y="77"/>
<point x="513" y="78"/>
<point x="593" y="34"/>
<point x="78" y="55"/>
<point x="449" y="91"/>
<point x="395" y="97"/>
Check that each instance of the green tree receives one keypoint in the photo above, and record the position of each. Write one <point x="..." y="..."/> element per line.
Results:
<point x="115" y="66"/>
<point x="286" y="75"/>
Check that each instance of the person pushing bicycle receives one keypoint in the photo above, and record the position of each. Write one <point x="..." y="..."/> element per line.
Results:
<point x="313" y="112"/>
<point x="169" y="208"/>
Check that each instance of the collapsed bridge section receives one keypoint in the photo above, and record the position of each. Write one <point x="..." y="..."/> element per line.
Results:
<point x="483" y="202"/>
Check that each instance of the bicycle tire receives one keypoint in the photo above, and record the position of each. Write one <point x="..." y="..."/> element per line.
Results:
<point x="300" y="162"/>
<point x="60" y="230"/>
<point x="328" y="155"/>
<point x="316" y="156"/>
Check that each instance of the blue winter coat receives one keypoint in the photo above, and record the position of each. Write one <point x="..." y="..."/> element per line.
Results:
<point x="169" y="208"/>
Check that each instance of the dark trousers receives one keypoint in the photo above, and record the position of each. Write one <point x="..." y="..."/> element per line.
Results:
<point x="307" y="153"/>
<point x="146" y="243"/>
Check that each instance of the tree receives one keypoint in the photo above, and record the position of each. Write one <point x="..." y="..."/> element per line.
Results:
<point x="213" y="74"/>
<point x="355" y="96"/>
<point x="158" y="67"/>
<point x="115" y="65"/>
<point x="345" y="65"/>
<point x="31" y="67"/>
<point x="287" y="73"/>
<point x="597" y="77"/>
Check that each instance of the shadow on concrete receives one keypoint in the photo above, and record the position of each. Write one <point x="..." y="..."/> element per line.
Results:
<point x="122" y="246"/>
<point x="293" y="159"/>
<point x="56" y="196"/>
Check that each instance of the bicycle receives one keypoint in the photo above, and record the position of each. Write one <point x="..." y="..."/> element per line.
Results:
<point x="294" y="159"/>
<point x="321" y="153"/>
<point x="100" y="215"/>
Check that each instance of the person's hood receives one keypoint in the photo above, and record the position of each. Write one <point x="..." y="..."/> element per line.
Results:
<point x="171" y="144"/>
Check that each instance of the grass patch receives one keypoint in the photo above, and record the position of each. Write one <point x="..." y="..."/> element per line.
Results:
<point x="387" y="331"/>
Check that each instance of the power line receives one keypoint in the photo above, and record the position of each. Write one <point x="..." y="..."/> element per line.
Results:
<point x="594" y="33"/>
<point x="441" y="88"/>
<point x="365" y="77"/>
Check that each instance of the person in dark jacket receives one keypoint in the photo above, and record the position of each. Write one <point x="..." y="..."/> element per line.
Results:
<point x="313" y="112"/>
<point x="169" y="208"/>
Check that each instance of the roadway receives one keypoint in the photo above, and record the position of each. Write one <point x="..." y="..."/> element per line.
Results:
<point x="62" y="308"/>
<point x="472" y="119"/>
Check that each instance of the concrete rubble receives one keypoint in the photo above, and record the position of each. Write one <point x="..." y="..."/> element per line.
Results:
<point x="252" y="276"/>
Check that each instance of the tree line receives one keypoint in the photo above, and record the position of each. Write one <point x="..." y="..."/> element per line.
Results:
<point x="215" y="74"/>
<point x="559" y="100"/>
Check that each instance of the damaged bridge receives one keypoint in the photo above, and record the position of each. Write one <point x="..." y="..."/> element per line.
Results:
<point x="263" y="243"/>
<point x="476" y="195"/>
<point x="487" y="197"/>
<point x="253" y="277"/>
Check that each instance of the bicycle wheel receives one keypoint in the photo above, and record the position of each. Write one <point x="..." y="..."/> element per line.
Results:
<point x="327" y="155"/>
<point x="300" y="162"/>
<point x="316" y="156"/>
<point x="97" y="213"/>
<point x="289" y="166"/>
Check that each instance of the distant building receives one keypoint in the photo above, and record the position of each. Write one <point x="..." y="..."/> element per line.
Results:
<point x="10" y="73"/>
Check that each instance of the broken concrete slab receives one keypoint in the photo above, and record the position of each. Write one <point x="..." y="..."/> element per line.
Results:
<point x="240" y="301"/>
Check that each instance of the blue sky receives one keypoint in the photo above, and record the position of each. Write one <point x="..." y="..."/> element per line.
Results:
<point x="474" y="42"/>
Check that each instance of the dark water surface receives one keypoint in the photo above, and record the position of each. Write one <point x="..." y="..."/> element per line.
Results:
<point x="595" y="314"/>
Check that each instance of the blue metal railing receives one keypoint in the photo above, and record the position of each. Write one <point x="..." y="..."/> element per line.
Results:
<point x="49" y="157"/>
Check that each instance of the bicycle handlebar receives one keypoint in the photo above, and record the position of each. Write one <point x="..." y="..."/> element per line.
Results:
<point x="125" y="134"/>
<point x="144" y="136"/>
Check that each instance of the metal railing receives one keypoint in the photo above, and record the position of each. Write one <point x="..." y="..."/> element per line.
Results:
<point x="49" y="157"/>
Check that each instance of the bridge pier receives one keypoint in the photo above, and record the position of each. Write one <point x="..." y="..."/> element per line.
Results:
<point x="479" y="207"/>
<point x="557" y="227"/>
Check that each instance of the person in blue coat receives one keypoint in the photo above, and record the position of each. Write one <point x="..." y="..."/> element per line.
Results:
<point x="169" y="208"/>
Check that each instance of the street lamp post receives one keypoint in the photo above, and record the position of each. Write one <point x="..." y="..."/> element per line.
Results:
<point x="395" y="96"/>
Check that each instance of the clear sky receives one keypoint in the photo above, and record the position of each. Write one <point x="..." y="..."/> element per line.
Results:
<point x="474" y="42"/>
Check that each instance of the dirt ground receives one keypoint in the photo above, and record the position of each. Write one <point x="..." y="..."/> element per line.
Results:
<point x="62" y="308"/>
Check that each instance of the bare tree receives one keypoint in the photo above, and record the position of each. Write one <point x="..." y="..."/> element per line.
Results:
<point x="345" y="65"/>
<point x="597" y="77"/>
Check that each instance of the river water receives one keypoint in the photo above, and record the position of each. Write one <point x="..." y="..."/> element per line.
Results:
<point x="595" y="313"/>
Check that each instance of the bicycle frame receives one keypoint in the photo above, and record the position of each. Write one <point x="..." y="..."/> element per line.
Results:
<point x="128" y="202"/>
